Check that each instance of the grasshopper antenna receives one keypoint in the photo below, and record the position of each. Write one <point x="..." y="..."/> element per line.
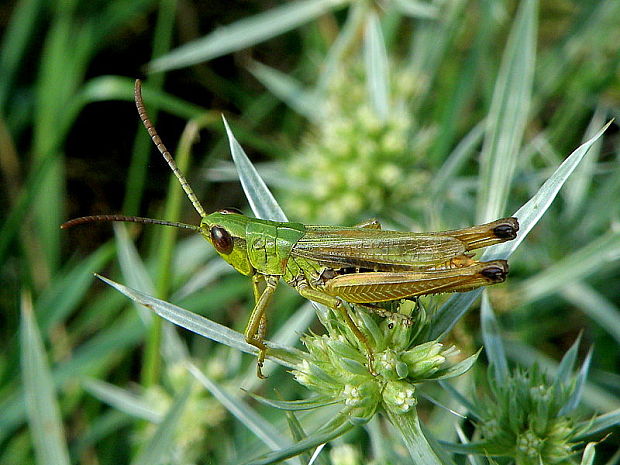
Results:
<point x="163" y="150"/>
<point x="126" y="219"/>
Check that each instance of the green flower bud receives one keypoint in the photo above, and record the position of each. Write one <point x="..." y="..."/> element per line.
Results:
<point x="389" y="366"/>
<point x="363" y="395"/>
<point x="528" y="448"/>
<point x="399" y="395"/>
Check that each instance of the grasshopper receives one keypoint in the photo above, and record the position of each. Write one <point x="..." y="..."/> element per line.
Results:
<point x="332" y="265"/>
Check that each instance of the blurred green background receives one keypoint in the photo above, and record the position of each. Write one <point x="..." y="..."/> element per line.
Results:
<point x="463" y="87"/>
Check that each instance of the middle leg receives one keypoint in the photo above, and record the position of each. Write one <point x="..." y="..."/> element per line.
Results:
<point x="256" y="327"/>
<point x="336" y="304"/>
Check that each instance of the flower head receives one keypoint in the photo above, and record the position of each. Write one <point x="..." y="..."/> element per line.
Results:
<point x="336" y="364"/>
<point x="524" y="418"/>
<point x="351" y="162"/>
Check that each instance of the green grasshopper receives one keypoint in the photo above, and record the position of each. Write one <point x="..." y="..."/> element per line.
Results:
<point x="331" y="265"/>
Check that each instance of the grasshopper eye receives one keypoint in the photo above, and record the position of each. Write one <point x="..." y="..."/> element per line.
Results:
<point x="222" y="240"/>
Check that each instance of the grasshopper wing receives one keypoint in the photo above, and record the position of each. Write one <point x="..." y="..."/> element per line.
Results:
<point x="376" y="250"/>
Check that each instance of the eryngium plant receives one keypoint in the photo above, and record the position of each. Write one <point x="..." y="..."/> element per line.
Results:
<point x="336" y="364"/>
<point x="530" y="418"/>
<point x="526" y="418"/>
<point x="336" y="367"/>
<point x="354" y="163"/>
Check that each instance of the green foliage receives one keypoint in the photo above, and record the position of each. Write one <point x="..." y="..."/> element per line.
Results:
<point x="354" y="163"/>
<point x="334" y="365"/>
<point x="371" y="109"/>
<point x="521" y="419"/>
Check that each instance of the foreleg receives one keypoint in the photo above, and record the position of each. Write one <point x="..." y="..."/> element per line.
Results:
<point x="257" y="325"/>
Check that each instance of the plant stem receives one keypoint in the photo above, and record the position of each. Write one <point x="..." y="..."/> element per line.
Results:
<point x="419" y="449"/>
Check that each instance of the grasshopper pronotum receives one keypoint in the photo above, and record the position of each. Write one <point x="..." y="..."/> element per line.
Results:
<point x="362" y="264"/>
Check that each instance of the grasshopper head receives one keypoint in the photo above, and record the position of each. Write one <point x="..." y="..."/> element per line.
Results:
<point x="225" y="230"/>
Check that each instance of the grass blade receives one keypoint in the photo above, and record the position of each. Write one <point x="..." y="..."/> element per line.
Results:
<point x="415" y="9"/>
<point x="347" y="37"/>
<point x="456" y="160"/>
<point x="18" y="33"/>
<point x="471" y="408"/>
<point x="298" y="434"/>
<point x="23" y="205"/>
<point x="289" y="90"/>
<point x="599" y="254"/>
<point x="595" y="306"/>
<point x="295" y="405"/>
<point x="567" y="364"/>
<point x="493" y="345"/>
<point x="528" y="215"/>
<point x="104" y="88"/>
<point x="122" y="400"/>
<point x="335" y="428"/>
<point x="132" y="266"/>
<point x="245" y="33"/>
<point x="185" y="319"/>
<point x="508" y="115"/>
<point x="582" y="377"/>
<point x="377" y="68"/>
<point x="242" y="411"/>
<point x="578" y="186"/>
<point x="262" y="201"/>
<point x="61" y="67"/>
<point x="601" y="423"/>
<point x="472" y="458"/>
<point x="203" y="326"/>
<point x="588" y="454"/>
<point x="137" y="173"/>
<point x="40" y="396"/>
<point x="94" y="355"/>
<point x="66" y="292"/>
<point x="432" y="41"/>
